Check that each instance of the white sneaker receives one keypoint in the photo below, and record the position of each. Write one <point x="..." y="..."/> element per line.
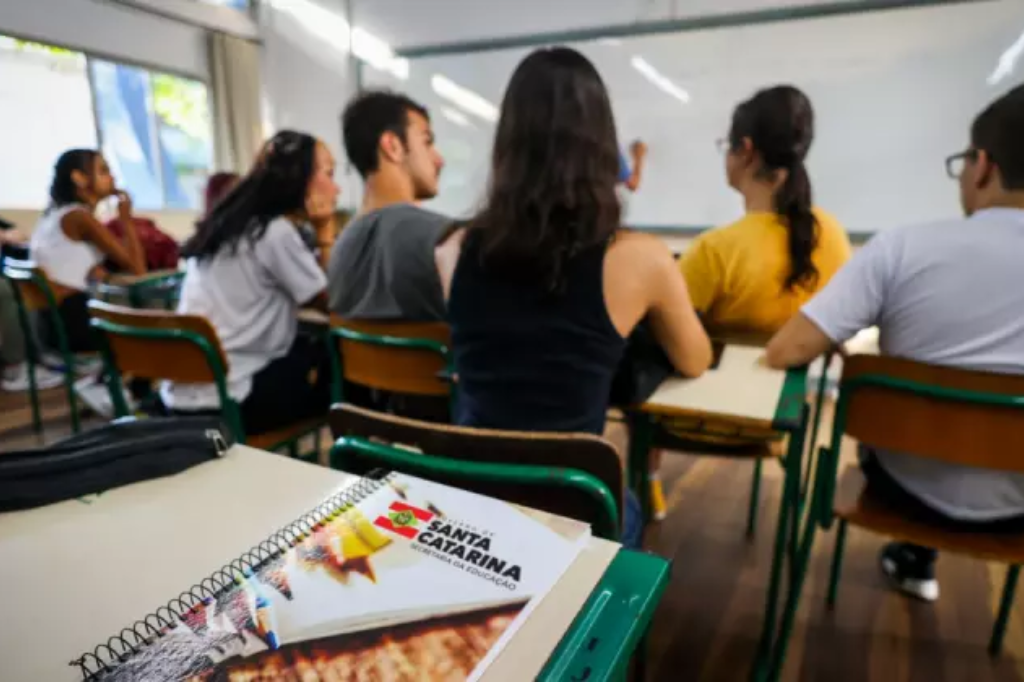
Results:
<point x="15" y="378"/>
<point x="96" y="396"/>
<point x="85" y="365"/>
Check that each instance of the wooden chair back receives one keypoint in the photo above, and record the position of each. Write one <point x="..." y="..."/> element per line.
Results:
<point x="952" y="415"/>
<point x="377" y="363"/>
<point x="165" y="348"/>
<point x="35" y="288"/>
<point x="583" y="452"/>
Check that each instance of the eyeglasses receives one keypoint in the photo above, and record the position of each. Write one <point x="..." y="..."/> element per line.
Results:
<point x="956" y="163"/>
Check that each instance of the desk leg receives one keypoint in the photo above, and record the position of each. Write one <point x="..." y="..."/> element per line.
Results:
<point x="789" y="506"/>
<point x="641" y="427"/>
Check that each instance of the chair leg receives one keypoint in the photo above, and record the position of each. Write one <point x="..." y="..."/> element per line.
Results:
<point x="293" y="448"/>
<point x="995" y="645"/>
<point x="755" y="498"/>
<point x="803" y="560"/>
<point x="33" y="397"/>
<point x="837" y="564"/>
<point x="69" y="386"/>
<point x="639" y="467"/>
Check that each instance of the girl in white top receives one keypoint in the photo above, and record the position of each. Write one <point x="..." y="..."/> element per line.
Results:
<point x="249" y="272"/>
<point x="70" y="244"/>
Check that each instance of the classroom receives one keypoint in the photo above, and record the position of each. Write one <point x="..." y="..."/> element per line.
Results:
<point x="558" y="340"/>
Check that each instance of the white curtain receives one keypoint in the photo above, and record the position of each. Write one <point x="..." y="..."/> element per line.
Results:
<point x="238" y="126"/>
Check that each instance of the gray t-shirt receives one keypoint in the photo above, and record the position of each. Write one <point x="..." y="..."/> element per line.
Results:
<point x="252" y="299"/>
<point x="947" y="294"/>
<point x="382" y="266"/>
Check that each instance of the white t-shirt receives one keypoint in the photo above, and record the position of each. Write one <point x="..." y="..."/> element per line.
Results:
<point x="65" y="261"/>
<point x="948" y="294"/>
<point x="252" y="298"/>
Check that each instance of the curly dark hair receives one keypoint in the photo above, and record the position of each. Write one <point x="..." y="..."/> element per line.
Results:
<point x="553" y="170"/>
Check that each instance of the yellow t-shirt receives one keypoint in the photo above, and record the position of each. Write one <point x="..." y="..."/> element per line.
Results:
<point x="736" y="274"/>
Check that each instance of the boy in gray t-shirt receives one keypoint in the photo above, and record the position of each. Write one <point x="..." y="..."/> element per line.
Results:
<point x="948" y="294"/>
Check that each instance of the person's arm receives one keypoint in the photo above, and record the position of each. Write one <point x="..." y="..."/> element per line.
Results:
<point x="674" y="322"/>
<point x="13" y="237"/>
<point x="446" y="257"/>
<point x="83" y="226"/>
<point x="853" y="300"/>
<point x="638" y="151"/>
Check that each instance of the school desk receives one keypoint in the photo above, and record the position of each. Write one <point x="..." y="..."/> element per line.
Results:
<point x="77" y="572"/>
<point x="744" y="392"/>
<point x="160" y="286"/>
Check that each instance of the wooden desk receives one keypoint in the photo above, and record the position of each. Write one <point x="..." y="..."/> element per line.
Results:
<point x="745" y="392"/>
<point x="76" y="572"/>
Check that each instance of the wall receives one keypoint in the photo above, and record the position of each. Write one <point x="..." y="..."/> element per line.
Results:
<point x="307" y="79"/>
<point x="109" y="30"/>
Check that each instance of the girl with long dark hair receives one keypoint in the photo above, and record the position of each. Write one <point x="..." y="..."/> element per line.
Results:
<point x="543" y="286"/>
<point x="71" y="245"/>
<point x="756" y="273"/>
<point x="249" y="272"/>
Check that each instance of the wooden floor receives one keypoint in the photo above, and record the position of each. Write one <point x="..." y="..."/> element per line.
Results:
<point x="709" y="622"/>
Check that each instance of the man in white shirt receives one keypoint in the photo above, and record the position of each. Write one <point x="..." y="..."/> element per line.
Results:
<point x="950" y="293"/>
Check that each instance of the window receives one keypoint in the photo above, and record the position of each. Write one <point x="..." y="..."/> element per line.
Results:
<point x="154" y="128"/>
<point x="45" y="108"/>
<point x="156" y="133"/>
<point x="243" y="5"/>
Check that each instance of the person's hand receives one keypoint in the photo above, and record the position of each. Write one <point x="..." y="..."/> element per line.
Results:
<point x="124" y="202"/>
<point x="14" y="237"/>
<point x="638" y="149"/>
<point x="319" y="207"/>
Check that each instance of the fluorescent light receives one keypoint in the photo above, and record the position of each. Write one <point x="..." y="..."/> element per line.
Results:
<point x="610" y="42"/>
<point x="333" y="29"/>
<point x="1007" y="62"/>
<point x="464" y="98"/>
<point x="456" y="117"/>
<point x="660" y="81"/>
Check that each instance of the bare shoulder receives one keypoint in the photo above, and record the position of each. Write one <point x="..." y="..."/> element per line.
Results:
<point x="79" y="224"/>
<point x="639" y="249"/>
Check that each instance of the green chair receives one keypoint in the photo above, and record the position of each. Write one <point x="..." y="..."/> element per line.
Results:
<point x="33" y="291"/>
<point x="155" y="344"/>
<point x="575" y="475"/>
<point x="153" y="289"/>
<point x="405" y="358"/>
<point x="954" y="416"/>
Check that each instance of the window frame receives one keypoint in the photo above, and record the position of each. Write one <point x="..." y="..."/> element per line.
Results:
<point x="90" y="56"/>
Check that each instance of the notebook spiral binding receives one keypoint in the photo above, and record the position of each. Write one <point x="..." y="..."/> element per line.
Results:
<point x="132" y="640"/>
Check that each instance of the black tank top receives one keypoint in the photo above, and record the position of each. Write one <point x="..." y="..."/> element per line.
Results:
<point x="530" y="360"/>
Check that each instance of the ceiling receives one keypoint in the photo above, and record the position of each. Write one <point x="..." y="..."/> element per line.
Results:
<point x="408" y="23"/>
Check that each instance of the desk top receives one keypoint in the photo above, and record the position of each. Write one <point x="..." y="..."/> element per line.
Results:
<point x="84" y="570"/>
<point x="741" y="389"/>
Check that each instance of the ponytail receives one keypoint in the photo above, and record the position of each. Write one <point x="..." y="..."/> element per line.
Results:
<point x="793" y="203"/>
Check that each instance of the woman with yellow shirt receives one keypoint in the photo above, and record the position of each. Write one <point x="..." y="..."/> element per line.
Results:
<point x="756" y="273"/>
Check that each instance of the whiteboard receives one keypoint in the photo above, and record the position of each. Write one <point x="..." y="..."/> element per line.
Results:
<point x="894" y="93"/>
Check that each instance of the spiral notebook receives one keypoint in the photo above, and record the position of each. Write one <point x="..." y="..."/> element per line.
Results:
<point x="397" y="578"/>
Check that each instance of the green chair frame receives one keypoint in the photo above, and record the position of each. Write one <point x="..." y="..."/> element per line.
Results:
<point x="164" y="289"/>
<point x="229" y="407"/>
<point x="426" y="345"/>
<point x="358" y="454"/>
<point x="820" y="512"/>
<point x="26" y="271"/>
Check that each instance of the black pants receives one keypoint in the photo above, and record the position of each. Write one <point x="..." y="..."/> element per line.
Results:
<point x="883" y="486"/>
<point x="74" y="311"/>
<point x="289" y="389"/>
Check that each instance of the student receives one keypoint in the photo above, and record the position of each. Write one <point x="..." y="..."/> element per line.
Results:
<point x="630" y="177"/>
<point x="756" y="273"/>
<point x="13" y="343"/>
<point x="218" y="186"/>
<point x="946" y="293"/>
<point x="248" y="273"/>
<point x="382" y="265"/>
<point x="543" y="286"/>
<point x="70" y="244"/>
